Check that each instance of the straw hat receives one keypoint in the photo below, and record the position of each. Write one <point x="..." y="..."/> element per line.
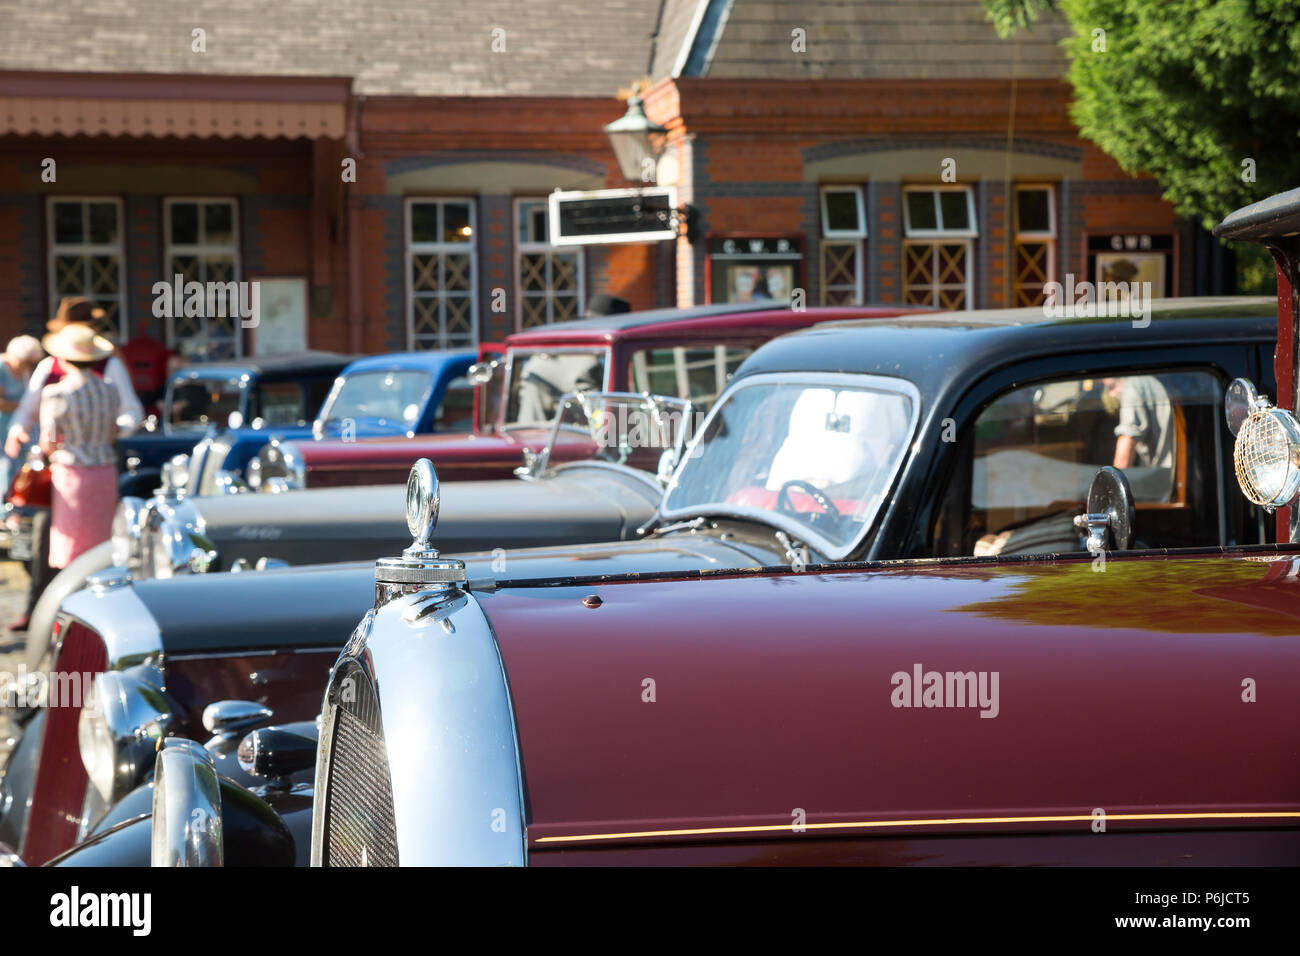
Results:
<point x="77" y="343"/>
<point x="74" y="308"/>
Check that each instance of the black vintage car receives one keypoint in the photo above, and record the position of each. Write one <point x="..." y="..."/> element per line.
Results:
<point x="270" y="395"/>
<point x="936" y="436"/>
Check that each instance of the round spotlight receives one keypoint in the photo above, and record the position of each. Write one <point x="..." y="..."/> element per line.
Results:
<point x="1267" y="456"/>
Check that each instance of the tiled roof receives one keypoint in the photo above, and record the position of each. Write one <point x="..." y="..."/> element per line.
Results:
<point x="552" y="47"/>
<point x="427" y="47"/>
<point x="901" y="39"/>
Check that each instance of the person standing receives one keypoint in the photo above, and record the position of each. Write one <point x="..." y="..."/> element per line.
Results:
<point x="78" y="416"/>
<point x="72" y="311"/>
<point x="16" y="364"/>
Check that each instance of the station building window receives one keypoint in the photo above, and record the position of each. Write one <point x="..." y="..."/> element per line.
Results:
<point x="441" y="273"/>
<point x="549" y="279"/>
<point x="202" y="245"/>
<point x="85" y="256"/>
<point x="939" y="230"/>
<point x="844" y="233"/>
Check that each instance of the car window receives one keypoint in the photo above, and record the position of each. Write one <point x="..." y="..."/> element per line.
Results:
<point x="1034" y="451"/>
<point x="699" y="373"/>
<point x="539" y="379"/>
<point x="815" y="458"/>
<point x="199" y="402"/>
<point x="390" y="395"/>
<point x="456" y="411"/>
<point x="280" y="403"/>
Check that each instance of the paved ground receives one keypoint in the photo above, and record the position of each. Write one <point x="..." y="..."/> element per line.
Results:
<point x="13" y="597"/>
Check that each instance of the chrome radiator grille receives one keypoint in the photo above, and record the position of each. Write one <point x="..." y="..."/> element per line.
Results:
<point x="360" y="829"/>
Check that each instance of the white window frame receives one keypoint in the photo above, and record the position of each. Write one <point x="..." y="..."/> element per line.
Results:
<point x="940" y="233"/>
<point x="54" y="250"/>
<point x="441" y="248"/>
<point x="546" y="246"/>
<point x="827" y="231"/>
<point x="843" y="236"/>
<point x="199" y="250"/>
<point x="1035" y="236"/>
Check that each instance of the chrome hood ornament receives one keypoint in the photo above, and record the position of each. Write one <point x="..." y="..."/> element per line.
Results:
<point x="419" y="568"/>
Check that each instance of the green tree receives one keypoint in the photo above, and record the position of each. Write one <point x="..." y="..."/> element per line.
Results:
<point x="1203" y="95"/>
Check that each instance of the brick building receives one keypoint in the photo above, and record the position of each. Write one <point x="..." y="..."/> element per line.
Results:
<point x="383" y="169"/>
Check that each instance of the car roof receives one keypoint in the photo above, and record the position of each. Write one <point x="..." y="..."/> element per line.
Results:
<point x="432" y="359"/>
<point x="309" y="362"/>
<point x="654" y="323"/>
<point x="936" y="349"/>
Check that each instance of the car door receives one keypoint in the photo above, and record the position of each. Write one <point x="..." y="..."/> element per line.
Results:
<point x="1022" y="467"/>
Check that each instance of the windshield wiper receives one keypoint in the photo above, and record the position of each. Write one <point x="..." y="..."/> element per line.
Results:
<point x="653" y="527"/>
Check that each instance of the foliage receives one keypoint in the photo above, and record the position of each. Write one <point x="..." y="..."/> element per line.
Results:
<point x="1203" y="95"/>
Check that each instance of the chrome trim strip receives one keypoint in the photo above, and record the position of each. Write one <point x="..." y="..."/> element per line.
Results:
<point x="833" y="552"/>
<point x="227" y="655"/>
<point x="449" y="729"/>
<point x="130" y="633"/>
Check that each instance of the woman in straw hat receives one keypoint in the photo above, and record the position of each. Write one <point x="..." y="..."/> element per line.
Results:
<point x="72" y="311"/>
<point x="78" y="430"/>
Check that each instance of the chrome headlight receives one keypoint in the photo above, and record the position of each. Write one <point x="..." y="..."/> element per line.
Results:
<point x="279" y="466"/>
<point x="175" y="475"/>
<point x="126" y="532"/>
<point x="124" y="716"/>
<point x="177" y="542"/>
<point x="1266" y="454"/>
<point x="253" y="473"/>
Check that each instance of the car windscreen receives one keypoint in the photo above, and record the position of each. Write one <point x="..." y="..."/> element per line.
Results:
<point x="199" y="402"/>
<point x="538" y="380"/>
<point x="644" y="432"/>
<point x="815" y="458"/>
<point x="394" y="395"/>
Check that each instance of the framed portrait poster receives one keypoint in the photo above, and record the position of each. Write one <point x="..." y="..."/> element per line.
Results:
<point x="281" y="323"/>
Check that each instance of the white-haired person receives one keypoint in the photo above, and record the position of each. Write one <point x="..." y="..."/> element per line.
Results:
<point x="20" y="357"/>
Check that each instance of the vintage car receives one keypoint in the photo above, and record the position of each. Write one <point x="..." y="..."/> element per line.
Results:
<point x="689" y="353"/>
<point x="783" y="474"/>
<point x="281" y="392"/>
<point x="403" y="394"/>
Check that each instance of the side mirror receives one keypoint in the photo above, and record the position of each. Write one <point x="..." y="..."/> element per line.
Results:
<point x="667" y="465"/>
<point x="533" y="466"/>
<point x="1108" y="521"/>
<point x="480" y="373"/>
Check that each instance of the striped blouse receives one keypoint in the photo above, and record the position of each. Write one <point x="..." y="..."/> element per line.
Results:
<point x="81" y="415"/>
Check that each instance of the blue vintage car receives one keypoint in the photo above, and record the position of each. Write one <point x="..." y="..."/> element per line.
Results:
<point x="401" y="394"/>
<point x="405" y="393"/>
<point x="277" y="394"/>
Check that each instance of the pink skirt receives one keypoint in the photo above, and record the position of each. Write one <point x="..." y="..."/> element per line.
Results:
<point x="81" y="510"/>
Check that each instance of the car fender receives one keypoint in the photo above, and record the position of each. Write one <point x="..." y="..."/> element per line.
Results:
<point x="254" y="833"/>
<point x="71" y="579"/>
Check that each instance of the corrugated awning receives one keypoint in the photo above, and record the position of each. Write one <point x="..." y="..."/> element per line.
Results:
<point x="36" y="116"/>
<point x="184" y="107"/>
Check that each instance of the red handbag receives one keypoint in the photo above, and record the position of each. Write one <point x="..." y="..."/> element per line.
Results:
<point x="31" y="487"/>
